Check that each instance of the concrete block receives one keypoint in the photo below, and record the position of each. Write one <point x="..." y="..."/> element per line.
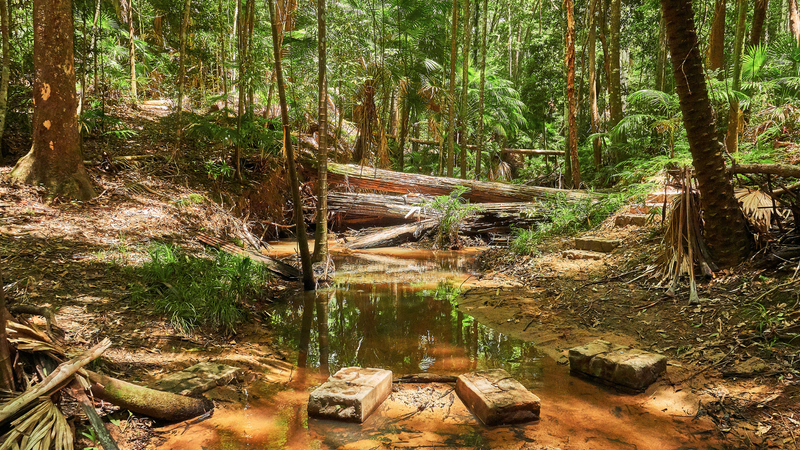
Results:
<point x="496" y="398"/>
<point x="626" y="220"/>
<point x="351" y="395"/>
<point x="597" y="244"/>
<point x="198" y="378"/>
<point x="582" y="254"/>
<point x="617" y="365"/>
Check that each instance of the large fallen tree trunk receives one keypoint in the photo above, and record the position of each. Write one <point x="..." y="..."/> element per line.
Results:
<point x="392" y="236"/>
<point x="404" y="183"/>
<point x="529" y="151"/>
<point x="353" y="210"/>
<point x="150" y="402"/>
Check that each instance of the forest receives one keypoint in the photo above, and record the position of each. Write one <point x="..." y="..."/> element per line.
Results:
<point x="211" y="208"/>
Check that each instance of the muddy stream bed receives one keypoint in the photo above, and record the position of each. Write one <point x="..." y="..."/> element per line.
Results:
<point x="413" y="311"/>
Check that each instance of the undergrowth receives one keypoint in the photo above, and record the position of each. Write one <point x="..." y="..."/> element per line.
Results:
<point x="451" y="211"/>
<point x="195" y="291"/>
<point x="568" y="217"/>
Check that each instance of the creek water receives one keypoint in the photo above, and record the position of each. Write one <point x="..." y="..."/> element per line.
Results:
<point x="400" y="312"/>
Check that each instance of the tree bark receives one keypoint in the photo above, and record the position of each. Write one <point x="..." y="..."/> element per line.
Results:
<point x="302" y="239"/>
<point x="663" y="52"/>
<point x="6" y="372"/>
<point x="716" y="44"/>
<point x="724" y="224"/>
<point x="451" y="93"/>
<point x="132" y="53"/>
<point x="6" y="66"/>
<point x="321" y="233"/>
<point x="614" y="88"/>
<point x="241" y="87"/>
<point x="187" y="5"/>
<point x="392" y="236"/>
<point x="759" y="14"/>
<point x="569" y="60"/>
<point x="593" y="110"/>
<point x="223" y="56"/>
<point x="794" y="20"/>
<point x="481" y="92"/>
<point x="55" y="159"/>
<point x="732" y="138"/>
<point x="781" y="170"/>
<point x="465" y="91"/>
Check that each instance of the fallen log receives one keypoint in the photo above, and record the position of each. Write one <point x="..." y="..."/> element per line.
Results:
<point x="528" y="151"/>
<point x="782" y="170"/>
<point x="392" y="236"/>
<point x="356" y="210"/>
<point x="150" y="402"/>
<point x="275" y="266"/>
<point x="480" y="191"/>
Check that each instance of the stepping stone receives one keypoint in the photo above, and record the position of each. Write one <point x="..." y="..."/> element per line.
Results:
<point x="618" y="365"/>
<point x="625" y="220"/>
<point x="199" y="378"/>
<point x="597" y="244"/>
<point x="495" y="398"/>
<point x="351" y="395"/>
<point x="582" y="254"/>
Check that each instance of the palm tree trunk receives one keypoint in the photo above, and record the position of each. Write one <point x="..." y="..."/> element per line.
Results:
<point x="614" y="90"/>
<point x="569" y="60"/>
<point x="132" y="53"/>
<point x="716" y="44"/>
<point x="759" y="14"/>
<point x="593" y="110"/>
<point x="6" y="68"/>
<point x="481" y="92"/>
<point x="794" y="20"/>
<point x="661" y="63"/>
<point x="321" y="234"/>
<point x="724" y="224"/>
<point x="302" y="239"/>
<point x="241" y="90"/>
<point x="452" y="92"/>
<point x="187" y="6"/>
<point x="465" y="91"/>
<point x="223" y="55"/>
<point x="732" y="139"/>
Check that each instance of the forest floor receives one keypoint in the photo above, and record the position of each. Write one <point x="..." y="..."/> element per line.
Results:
<point x="727" y="354"/>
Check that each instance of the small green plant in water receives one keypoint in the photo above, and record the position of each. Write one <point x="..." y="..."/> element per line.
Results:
<point x="450" y="212"/>
<point x="195" y="291"/>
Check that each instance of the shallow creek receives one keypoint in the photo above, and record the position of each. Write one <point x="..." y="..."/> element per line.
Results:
<point x="400" y="311"/>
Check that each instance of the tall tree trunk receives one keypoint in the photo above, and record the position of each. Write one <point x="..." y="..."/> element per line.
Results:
<point x="405" y="110"/>
<point x="55" y="159"/>
<point x="716" y="44"/>
<point x="794" y="20"/>
<point x="569" y="60"/>
<point x="614" y="89"/>
<point x="302" y="239"/>
<point x="95" y="36"/>
<point x="481" y="92"/>
<point x="759" y="14"/>
<point x="451" y="116"/>
<point x="187" y="7"/>
<point x="241" y="89"/>
<point x="593" y="111"/>
<point x="223" y="55"/>
<point x="251" y="19"/>
<point x="724" y="224"/>
<point x="732" y="138"/>
<point x="465" y="91"/>
<point x="132" y="53"/>
<point x="661" y="63"/>
<point x="321" y="235"/>
<point x="6" y="68"/>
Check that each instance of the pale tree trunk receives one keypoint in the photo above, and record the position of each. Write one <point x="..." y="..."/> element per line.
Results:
<point x="6" y="71"/>
<point x="55" y="160"/>
<point x="794" y="20"/>
<point x="593" y="111"/>
<point x="663" y="51"/>
<point x="302" y="239"/>
<point x="465" y="91"/>
<point x="759" y="14"/>
<point x="241" y="29"/>
<point x="716" y="44"/>
<point x="481" y="92"/>
<point x="724" y="224"/>
<point x="223" y="55"/>
<point x="187" y="6"/>
<point x="251" y="19"/>
<point x="452" y="93"/>
<point x="732" y="138"/>
<point x="321" y="235"/>
<point x="132" y="53"/>
<point x="569" y="61"/>
<point x="402" y="99"/>
<point x="614" y="90"/>
<point x="95" y="35"/>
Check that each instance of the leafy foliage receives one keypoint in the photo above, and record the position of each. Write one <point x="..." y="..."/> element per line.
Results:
<point x="450" y="211"/>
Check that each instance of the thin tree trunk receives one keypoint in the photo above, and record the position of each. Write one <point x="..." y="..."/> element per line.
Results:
<point x="251" y="18"/>
<point x="614" y="91"/>
<point x="732" y="138"/>
<point x="724" y="223"/>
<point x="241" y="88"/>
<point x="481" y="93"/>
<point x="404" y="113"/>
<point x="663" y="51"/>
<point x="95" y="35"/>
<point x="187" y="6"/>
<point x="465" y="91"/>
<point x="716" y="44"/>
<point x="794" y="20"/>
<point x="569" y="60"/>
<point x="6" y="69"/>
<point x="321" y="235"/>
<point x="132" y="53"/>
<point x="759" y="14"/>
<point x="224" y="56"/>
<point x="593" y="111"/>
<point x="302" y="239"/>
<point x="452" y="93"/>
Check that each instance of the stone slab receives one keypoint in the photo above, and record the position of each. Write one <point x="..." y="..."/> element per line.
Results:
<point x="626" y="220"/>
<point x="496" y="398"/>
<point x="582" y="254"/>
<point x="351" y="394"/>
<point x="198" y="378"/>
<point x="618" y="365"/>
<point x="597" y="244"/>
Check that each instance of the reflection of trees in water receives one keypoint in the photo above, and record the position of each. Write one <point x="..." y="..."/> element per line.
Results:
<point x="396" y="327"/>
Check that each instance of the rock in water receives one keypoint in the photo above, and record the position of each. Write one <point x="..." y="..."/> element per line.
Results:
<point x="352" y="394"/>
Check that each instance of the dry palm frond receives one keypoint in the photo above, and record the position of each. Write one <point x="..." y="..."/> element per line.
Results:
<point x="757" y="206"/>
<point x="41" y="428"/>
<point x="28" y="338"/>
<point x="683" y="245"/>
<point x="502" y="171"/>
<point x="383" y="150"/>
